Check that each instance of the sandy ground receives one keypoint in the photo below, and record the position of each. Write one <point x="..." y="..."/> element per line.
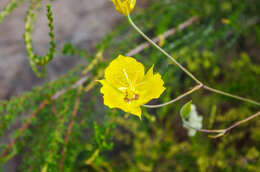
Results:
<point x="82" y="22"/>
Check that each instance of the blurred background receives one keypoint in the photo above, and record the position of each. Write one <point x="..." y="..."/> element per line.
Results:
<point x="82" y="23"/>
<point x="217" y="40"/>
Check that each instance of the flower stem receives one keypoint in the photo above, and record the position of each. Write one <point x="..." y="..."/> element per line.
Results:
<point x="242" y="121"/>
<point x="222" y="132"/>
<point x="231" y="95"/>
<point x="186" y="124"/>
<point x="163" y="51"/>
<point x="176" y="99"/>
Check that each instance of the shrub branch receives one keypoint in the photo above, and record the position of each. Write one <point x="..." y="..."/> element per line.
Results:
<point x="24" y="127"/>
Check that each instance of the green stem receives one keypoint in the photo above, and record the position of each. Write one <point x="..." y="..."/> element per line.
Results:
<point x="231" y="95"/>
<point x="163" y="51"/>
<point x="186" y="71"/>
<point x="176" y="99"/>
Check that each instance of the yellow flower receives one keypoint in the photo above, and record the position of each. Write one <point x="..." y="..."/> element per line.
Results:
<point x="124" y="6"/>
<point x="127" y="87"/>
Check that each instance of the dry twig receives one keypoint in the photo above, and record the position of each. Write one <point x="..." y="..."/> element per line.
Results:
<point x="74" y="114"/>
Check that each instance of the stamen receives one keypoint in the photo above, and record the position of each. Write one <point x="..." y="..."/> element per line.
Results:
<point x="141" y="83"/>
<point x="122" y="88"/>
<point x="127" y="78"/>
<point x="127" y="99"/>
<point x="136" y="97"/>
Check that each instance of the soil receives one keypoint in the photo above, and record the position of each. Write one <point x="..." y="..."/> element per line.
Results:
<point x="81" y="22"/>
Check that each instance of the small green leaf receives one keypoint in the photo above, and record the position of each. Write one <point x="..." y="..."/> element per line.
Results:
<point x="185" y="110"/>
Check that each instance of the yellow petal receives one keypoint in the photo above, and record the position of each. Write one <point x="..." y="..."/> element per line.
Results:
<point x="152" y="87"/>
<point x="113" y="98"/>
<point x="132" y="4"/>
<point x="149" y="73"/>
<point x="124" y="71"/>
<point x="126" y="87"/>
<point x="135" y="110"/>
<point x="118" y="5"/>
<point x="124" y="7"/>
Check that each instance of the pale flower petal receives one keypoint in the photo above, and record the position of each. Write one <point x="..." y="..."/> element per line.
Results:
<point x="194" y="121"/>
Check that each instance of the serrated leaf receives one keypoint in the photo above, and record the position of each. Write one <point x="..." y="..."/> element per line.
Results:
<point x="186" y="110"/>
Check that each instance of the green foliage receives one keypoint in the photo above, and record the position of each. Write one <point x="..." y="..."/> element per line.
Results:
<point x="223" y="54"/>
<point x="185" y="110"/>
<point x="9" y="8"/>
<point x="35" y="60"/>
<point x="70" y="50"/>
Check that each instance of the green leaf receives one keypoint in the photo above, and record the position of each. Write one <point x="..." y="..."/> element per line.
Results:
<point x="185" y="110"/>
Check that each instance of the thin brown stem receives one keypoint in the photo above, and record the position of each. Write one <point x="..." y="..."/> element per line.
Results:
<point x="222" y="132"/>
<point x="24" y="127"/>
<point x="231" y="95"/>
<point x="176" y="99"/>
<point x="74" y="114"/>
<point x="166" y="34"/>
<point x="202" y="130"/>
<point x="242" y="121"/>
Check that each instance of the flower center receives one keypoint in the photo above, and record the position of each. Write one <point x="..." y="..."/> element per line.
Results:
<point x="130" y="96"/>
